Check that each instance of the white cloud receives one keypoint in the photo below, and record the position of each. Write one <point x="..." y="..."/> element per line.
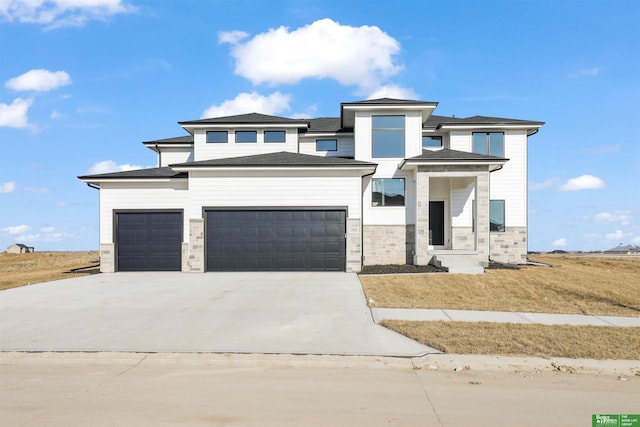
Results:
<point x="47" y="229"/>
<point x="56" y="115"/>
<point x="618" y="235"/>
<point x="39" y="80"/>
<point x="393" y="91"/>
<point x="7" y="187"/>
<point x="636" y="240"/>
<point x="47" y="237"/>
<point x="253" y="102"/>
<point x="561" y="242"/>
<point x="584" y="182"/>
<point x="14" y="115"/>
<point x="623" y="217"/>
<point x="603" y="149"/>
<point x="107" y="166"/>
<point x="59" y="204"/>
<point x="61" y="13"/>
<point x="586" y="72"/>
<point x="542" y="185"/>
<point x="16" y="229"/>
<point x="361" y="56"/>
<point x="39" y="190"/>
<point x="231" y="37"/>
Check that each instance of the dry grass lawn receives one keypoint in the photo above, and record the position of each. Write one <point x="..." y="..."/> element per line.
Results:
<point x="592" y="342"/>
<point x="23" y="269"/>
<point x="578" y="284"/>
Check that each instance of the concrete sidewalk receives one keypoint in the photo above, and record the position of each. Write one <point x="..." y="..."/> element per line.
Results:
<point x="421" y="314"/>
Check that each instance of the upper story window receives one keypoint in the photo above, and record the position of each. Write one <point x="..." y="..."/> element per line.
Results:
<point x="217" y="136"/>
<point x="387" y="136"/>
<point x="491" y="143"/>
<point x="387" y="192"/>
<point x="246" y="136"/>
<point x="274" y="136"/>
<point x="326" y="145"/>
<point x="431" y="141"/>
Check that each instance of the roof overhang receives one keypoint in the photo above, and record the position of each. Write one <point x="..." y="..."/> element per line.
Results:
<point x="348" y="110"/>
<point x="155" y="146"/>
<point x="191" y="127"/>
<point x="411" y="164"/>
<point x="98" y="180"/>
<point x="531" y="128"/>
<point x="363" y="168"/>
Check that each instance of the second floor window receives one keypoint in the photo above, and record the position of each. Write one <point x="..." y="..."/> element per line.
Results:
<point x="387" y="136"/>
<point x="217" y="136"/>
<point x="274" y="136"/>
<point x="491" y="143"/>
<point x="326" y="145"/>
<point x="431" y="141"/>
<point x="246" y="136"/>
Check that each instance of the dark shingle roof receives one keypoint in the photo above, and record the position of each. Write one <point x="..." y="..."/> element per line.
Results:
<point x="390" y="101"/>
<point x="251" y="118"/>
<point x="324" y="124"/>
<point x="186" y="139"/>
<point x="446" y="155"/>
<point x="280" y="159"/>
<point x="436" y="121"/>
<point x="150" y="173"/>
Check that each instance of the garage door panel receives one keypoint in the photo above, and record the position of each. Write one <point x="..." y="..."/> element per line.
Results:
<point x="149" y="241"/>
<point x="280" y="240"/>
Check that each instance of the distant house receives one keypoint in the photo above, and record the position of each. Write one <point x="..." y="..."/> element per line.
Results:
<point x="624" y="250"/>
<point x="19" y="248"/>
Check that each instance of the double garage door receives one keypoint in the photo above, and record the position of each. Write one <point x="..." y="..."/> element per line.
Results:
<point x="236" y="240"/>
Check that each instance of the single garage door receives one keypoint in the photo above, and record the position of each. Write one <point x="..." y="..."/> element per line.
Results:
<point x="149" y="241"/>
<point x="275" y="240"/>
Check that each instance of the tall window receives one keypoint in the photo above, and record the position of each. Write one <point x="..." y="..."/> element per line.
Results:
<point x="387" y="136"/>
<point x="274" y="136"/>
<point x="491" y="143"/>
<point x="246" y="136"/>
<point x="387" y="192"/>
<point x="496" y="215"/>
<point x="217" y="136"/>
<point x="431" y="141"/>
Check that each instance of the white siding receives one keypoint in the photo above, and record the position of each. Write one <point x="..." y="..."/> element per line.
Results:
<point x="260" y="188"/>
<point x="462" y="194"/>
<point x="345" y="146"/>
<point x="460" y="140"/>
<point x="204" y="151"/>
<point x="152" y="195"/>
<point x="170" y="156"/>
<point x="510" y="183"/>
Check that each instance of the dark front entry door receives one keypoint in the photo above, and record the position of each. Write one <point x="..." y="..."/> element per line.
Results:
<point x="436" y="223"/>
<point x="275" y="240"/>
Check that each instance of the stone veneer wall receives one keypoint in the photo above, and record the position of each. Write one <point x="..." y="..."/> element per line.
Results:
<point x="463" y="239"/>
<point x="354" y="246"/>
<point x="510" y="246"/>
<point x="195" y="263"/>
<point x="107" y="258"/>
<point x="388" y="244"/>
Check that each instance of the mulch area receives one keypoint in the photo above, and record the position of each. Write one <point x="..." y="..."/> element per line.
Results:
<point x="399" y="269"/>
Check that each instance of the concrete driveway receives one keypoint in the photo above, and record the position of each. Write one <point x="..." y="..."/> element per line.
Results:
<point x="294" y="313"/>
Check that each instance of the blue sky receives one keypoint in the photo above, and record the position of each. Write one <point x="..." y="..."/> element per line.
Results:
<point x="82" y="83"/>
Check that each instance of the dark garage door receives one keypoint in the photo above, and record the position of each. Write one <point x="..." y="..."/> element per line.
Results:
<point x="149" y="241"/>
<point x="276" y="240"/>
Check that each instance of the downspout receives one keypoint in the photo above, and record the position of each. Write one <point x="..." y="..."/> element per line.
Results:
<point x="93" y="186"/>
<point x="159" y="156"/>
<point x="362" y="217"/>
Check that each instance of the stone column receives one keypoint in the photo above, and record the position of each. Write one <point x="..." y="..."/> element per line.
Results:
<point x="354" y="246"/>
<point x="422" y="256"/>
<point x="196" y="246"/>
<point x="107" y="258"/>
<point x="482" y="217"/>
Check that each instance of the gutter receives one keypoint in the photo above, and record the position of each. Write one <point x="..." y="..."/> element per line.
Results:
<point x="93" y="186"/>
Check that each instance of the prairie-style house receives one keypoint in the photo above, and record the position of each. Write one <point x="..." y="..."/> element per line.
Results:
<point x="386" y="182"/>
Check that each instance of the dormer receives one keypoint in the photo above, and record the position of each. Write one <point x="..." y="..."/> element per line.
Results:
<point x="245" y="134"/>
<point x="386" y="129"/>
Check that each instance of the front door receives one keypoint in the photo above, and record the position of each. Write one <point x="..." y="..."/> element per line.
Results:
<point x="436" y="223"/>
